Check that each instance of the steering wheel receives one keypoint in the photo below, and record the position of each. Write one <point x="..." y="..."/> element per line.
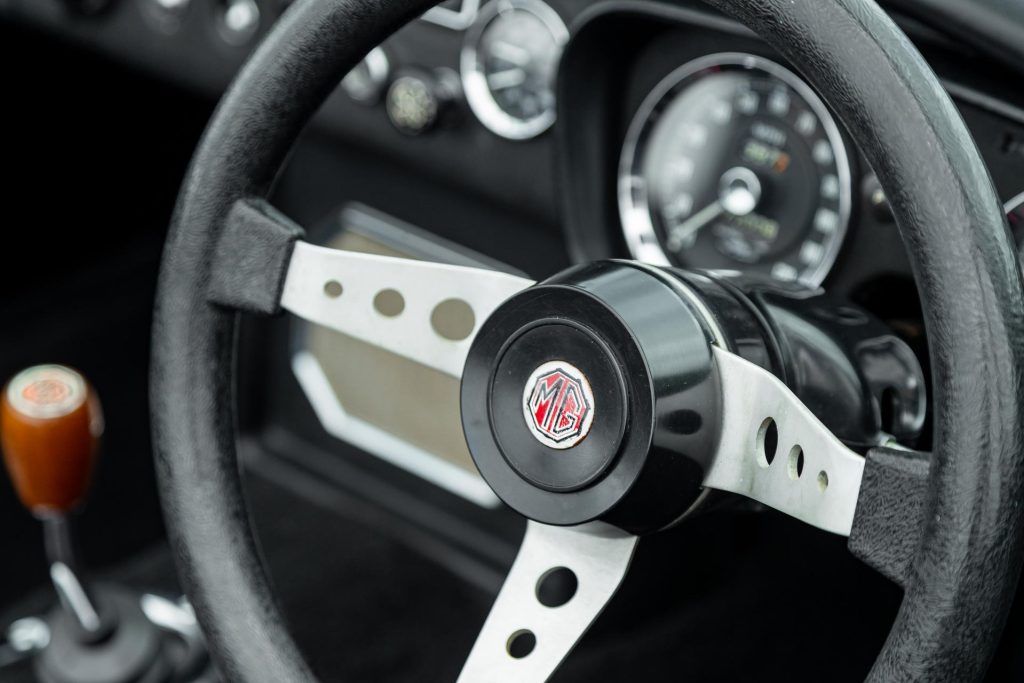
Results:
<point x="658" y="412"/>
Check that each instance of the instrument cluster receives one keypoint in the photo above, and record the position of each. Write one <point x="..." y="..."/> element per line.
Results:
<point x="732" y="163"/>
<point x="701" y="148"/>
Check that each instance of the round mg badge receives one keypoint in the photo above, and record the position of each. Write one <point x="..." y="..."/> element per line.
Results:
<point x="558" y="404"/>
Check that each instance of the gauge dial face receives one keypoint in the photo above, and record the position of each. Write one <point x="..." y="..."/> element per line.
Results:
<point x="509" y="64"/>
<point x="733" y="163"/>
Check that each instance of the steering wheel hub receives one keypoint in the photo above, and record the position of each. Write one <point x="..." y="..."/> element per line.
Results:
<point x="594" y="380"/>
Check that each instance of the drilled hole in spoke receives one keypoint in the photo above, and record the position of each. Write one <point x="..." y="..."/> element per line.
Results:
<point x="795" y="464"/>
<point x="333" y="289"/>
<point x="453" y="319"/>
<point x="822" y="480"/>
<point x="767" y="442"/>
<point x="389" y="303"/>
<point x="521" y="643"/>
<point x="557" y="586"/>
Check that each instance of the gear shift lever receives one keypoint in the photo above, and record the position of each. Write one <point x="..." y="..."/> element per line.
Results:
<point x="50" y="425"/>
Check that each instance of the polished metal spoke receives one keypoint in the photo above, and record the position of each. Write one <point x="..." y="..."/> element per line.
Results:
<point x="809" y="474"/>
<point x="428" y="312"/>
<point x="597" y="554"/>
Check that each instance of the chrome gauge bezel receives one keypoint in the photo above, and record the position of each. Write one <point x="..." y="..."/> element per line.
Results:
<point x="474" y="80"/>
<point x="378" y="71"/>
<point x="634" y="209"/>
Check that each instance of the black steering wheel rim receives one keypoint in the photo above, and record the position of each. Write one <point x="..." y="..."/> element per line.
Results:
<point x="965" y="572"/>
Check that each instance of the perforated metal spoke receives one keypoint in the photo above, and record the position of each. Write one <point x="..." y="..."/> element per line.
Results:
<point x="560" y="582"/>
<point x="428" y="312"/>
<point x="774" y="450"/>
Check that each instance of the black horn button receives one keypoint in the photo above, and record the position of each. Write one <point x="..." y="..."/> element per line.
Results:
<point x="558" y="405"/>
<point x="593" y="395"/>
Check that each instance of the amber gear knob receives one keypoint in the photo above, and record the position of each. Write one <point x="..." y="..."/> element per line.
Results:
<point x="50" y="424"/>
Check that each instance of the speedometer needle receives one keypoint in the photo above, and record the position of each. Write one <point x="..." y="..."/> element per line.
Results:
<point x="681" y="232"/>
<point x="510" y="78"/>
<point x="510" y="53"/>
<point x="739" y="193"/>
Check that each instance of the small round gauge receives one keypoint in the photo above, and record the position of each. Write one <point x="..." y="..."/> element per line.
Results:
<point x="509" y="64"/>
<point x="368" y="79"/>
<point x="734" y="163"/>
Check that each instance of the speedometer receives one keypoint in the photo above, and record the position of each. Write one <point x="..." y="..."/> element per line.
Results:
<point x="734" y="163"/>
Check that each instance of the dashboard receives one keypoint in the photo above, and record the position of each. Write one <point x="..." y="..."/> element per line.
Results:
<point x="526" y="135"/>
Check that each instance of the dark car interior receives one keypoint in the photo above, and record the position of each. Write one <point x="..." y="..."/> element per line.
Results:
<point x="583" y="145"/>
